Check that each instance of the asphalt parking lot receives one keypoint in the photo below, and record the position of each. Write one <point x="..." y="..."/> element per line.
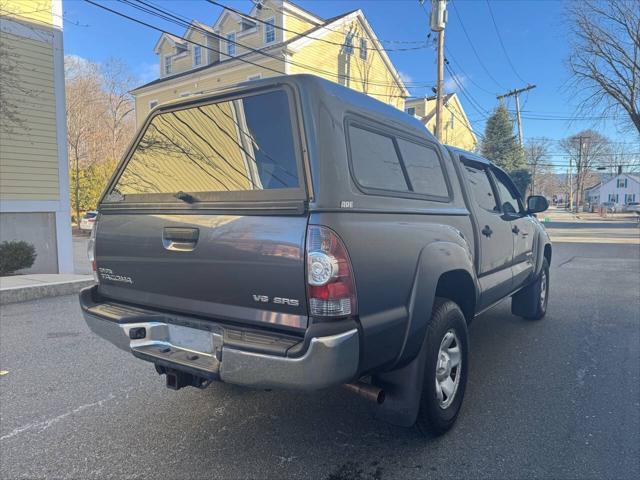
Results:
<point x="559" y="398"/>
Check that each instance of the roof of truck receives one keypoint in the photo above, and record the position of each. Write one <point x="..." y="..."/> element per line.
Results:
<point x="470" y="155"/>
<point x="349" y="99"/>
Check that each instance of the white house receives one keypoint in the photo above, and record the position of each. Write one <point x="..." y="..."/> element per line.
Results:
<point x="621" y="190"/>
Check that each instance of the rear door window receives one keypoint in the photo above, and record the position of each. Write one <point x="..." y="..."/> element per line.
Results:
<point x="241" y="145"/>
<point x="375" y="160"/>
<point x="481" y="188"/>
<point x="423" y="168"/>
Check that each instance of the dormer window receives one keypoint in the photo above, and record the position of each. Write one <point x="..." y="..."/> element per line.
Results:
<point x="411" y="111"/>
<point x="167" y="64"/>
<point x="197" y="55"/>
<point x="231" y="44"/>
<point x="246" y="24"/>
<point x="270" y="30"/>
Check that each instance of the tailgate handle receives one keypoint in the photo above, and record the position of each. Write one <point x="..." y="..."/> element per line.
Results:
<point x="180" y="239"/>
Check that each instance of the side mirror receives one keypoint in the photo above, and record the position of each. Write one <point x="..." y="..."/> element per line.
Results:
<point x="536" y="204"/>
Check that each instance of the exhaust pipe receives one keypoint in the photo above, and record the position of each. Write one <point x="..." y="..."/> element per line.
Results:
<point x="366" y="390"/>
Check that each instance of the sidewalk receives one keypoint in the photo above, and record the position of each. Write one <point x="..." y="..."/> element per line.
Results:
<point x="20" y="288"/>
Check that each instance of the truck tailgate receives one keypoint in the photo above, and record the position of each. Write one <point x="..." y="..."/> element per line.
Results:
<point x="238" y="268"/>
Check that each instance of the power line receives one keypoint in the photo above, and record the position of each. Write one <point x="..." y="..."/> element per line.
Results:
<point x="495" y="25"/>
<point x="459" y="67"/>
<point x="186" y="23"/>
<point x="303" y="34"/>
<point x="473" y="48"/>
<point x="239" y="58"/>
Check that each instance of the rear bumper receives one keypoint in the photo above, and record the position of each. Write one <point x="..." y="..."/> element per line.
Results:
<point x="205" y="352"/>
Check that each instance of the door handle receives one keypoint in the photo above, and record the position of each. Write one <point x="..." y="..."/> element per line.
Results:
<point x="515" y="229"/>
<point x="486" y="231"/>
<point x="180" y="239"/>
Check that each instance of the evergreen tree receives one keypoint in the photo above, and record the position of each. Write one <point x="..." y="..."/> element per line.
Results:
<point x="500" y="145"/>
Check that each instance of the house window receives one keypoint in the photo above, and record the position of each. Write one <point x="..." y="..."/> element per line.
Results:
<point x="363" y="48"/>
<point x="231" y="44"/>
<point x="348" y="44"/>
<point x="613" y="197"/>
<point x="629" y="198"/>
<point x="622" y="183"/>
<point x="167" y="65"/>
<point x="197" y="55"/>
<point x="411" y="111"/>
<point x="270" y="30"/>
<point x="153" y="104"/>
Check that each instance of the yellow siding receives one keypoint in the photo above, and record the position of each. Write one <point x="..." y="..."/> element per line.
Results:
<point x="457" y="132"/>
<point x="213" y="79"/>
<point x="36" y="11"/>
<point x="297" y="25"/>
<point x="370" y="76"/>
<point x="421" y="105"/>
<point x="29" y="152"/>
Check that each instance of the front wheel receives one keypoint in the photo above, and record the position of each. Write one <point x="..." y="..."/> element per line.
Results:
<point x="446" y="364"/>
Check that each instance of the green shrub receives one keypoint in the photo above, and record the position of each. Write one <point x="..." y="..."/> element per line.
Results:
<point x="16" y="256"/>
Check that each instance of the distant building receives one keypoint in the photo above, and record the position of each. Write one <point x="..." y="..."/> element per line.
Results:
<point x="457" y="130"/>
<point x="34" y="182"/>
<point x="621" y="190"/>
<point x="276" y="37"/>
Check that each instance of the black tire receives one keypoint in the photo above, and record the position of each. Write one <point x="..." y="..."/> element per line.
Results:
<point x="433" y="418"/>
<point x="529" y="302"/>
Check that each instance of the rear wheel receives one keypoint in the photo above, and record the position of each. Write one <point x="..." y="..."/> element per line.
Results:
<point x="531" y="302"/>
<point x="445" y="375"/>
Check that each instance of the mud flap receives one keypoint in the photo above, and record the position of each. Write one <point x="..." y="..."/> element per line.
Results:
<point x="403" y="390"/>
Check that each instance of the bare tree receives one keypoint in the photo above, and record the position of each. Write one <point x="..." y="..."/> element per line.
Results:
<point x="587" y="150"/>
<point x="100" y="124"/>
<point x="623" y="157"/>
<point x="605" y="57"/>
<point x="536" y="152"/>
<point x="117" y="81"/>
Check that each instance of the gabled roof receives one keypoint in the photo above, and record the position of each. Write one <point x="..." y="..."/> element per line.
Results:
<point x="335" y="22"/>
<point x="175" y="40"/>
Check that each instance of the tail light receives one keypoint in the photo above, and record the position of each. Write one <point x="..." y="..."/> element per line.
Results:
<point x="330" y="283"/>
<point x="91" y="252"/>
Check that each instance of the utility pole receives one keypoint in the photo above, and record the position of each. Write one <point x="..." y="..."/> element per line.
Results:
<point x="579" y="168"/>
<point x="437" y="22"/>
<point x="516" y="93"/>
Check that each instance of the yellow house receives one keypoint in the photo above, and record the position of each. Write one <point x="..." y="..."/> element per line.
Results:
<point x="457" y="129"/>
<point x="34" y="184"/>
<point x="276" y="37"/>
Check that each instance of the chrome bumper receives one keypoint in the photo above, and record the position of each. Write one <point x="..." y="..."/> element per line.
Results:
<point x="328" y="361"/>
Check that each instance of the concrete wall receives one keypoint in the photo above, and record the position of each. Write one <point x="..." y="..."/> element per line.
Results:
<point x="38" y="229"/>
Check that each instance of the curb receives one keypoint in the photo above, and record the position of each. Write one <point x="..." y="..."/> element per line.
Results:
<point x="35" y="292"/>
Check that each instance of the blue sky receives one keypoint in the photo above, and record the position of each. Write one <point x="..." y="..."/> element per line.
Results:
<point x="534" y="33"/>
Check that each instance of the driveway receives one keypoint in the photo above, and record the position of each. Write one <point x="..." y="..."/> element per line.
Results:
<point x="558" y="398"/>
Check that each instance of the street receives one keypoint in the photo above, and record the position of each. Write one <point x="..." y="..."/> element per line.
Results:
<point x="558" y="398"/>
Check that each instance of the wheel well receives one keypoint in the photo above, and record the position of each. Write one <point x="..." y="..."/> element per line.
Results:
<point x="458" y="286"/>
<point x="547" y="253"/>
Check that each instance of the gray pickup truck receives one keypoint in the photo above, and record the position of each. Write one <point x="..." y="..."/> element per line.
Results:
<point x="291" y="233"/>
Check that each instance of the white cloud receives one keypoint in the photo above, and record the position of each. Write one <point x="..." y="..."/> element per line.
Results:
<point x="406" y="78"/>
<point x="451" y="84"/>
